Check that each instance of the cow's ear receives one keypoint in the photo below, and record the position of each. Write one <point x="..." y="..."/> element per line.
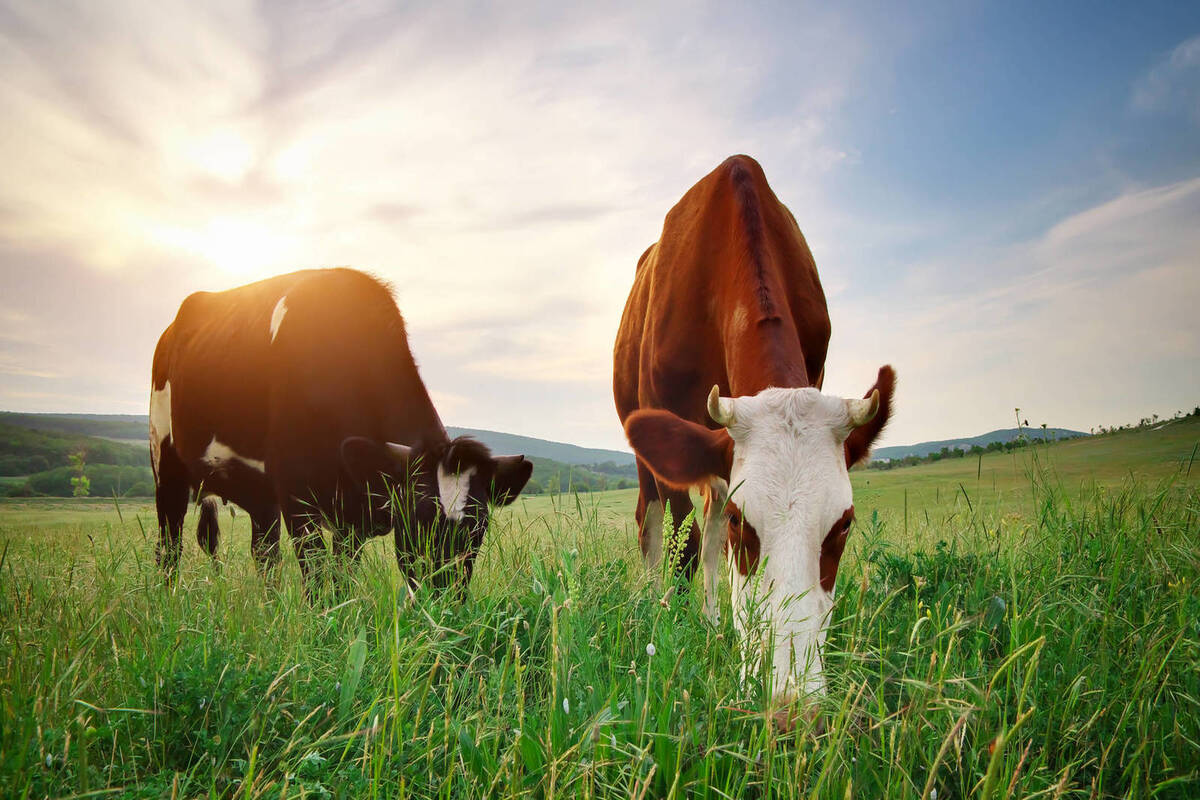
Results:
<point x="512" y="473"/>
<point x="366" y="459"/>
<point x="859" y="442"/>
<point x="679" y="453"/>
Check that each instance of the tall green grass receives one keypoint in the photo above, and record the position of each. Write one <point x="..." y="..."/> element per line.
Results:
<point x="1050" y="653"/>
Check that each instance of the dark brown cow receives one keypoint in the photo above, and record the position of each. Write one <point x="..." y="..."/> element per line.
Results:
<point x="717" y="371"/>
<point x="298" y="394"/>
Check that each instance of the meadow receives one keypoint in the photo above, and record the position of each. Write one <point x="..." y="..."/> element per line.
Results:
<point x="1019" y="625"/>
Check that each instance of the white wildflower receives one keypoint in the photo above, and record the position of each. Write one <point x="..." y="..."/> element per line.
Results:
<point x="650" y="649"/>
<point x="566" y="706"/>
<point x="933" y="794"/>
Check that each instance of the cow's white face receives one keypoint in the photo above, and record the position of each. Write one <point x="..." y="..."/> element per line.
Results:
<point x="790" y="489"/>
<point x="782" y="456"/>
<point x="436" y="500"/>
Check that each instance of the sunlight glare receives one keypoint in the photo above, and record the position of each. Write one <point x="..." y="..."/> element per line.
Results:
<point x="241" y="248"/>
<point x="236" y="247"/>
<point x="223" y="154"/>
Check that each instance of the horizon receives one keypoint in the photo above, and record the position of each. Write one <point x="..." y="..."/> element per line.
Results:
<point x="629" y="451"/>
<point x="1001" y="200"/>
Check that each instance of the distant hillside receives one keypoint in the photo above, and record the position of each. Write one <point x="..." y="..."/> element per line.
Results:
<point x="504" y="443"/>
<point x="35" y="450"/>
<point x="38" y="462"/>
<point x="134" y="427"/>
<point x="24" y="451"/>
<point x="1165" y="449"/>
<point x="1004" y="435"/>
<point x="125" y="427"/>
<point x="550" y="476"/>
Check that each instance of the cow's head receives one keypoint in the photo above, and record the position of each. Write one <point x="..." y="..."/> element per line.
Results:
<point x="436" y="499"/>
<point x="781" y="458"/>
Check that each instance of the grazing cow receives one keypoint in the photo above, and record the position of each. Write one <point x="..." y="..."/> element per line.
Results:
<point x="717" y="374"/>
<point x="298" y="394"/>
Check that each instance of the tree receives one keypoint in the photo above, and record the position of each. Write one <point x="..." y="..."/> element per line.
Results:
<point x="80" y="481"/>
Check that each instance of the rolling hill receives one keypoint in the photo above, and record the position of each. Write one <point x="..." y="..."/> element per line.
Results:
<point x="966" y="443"/>
<point x="35" y="452"/>
<point x="34" y="443"/>
<point x="120" y="427"/>
<point x="133" y="428"/>
<point x="1170" y="450"/>
<point x="542" y="448"/>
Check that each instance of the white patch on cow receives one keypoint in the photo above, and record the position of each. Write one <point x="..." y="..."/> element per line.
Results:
<point x="160" y="422"/>
<point x="789" y="470"/>
<point x="277" y="316"/>
<point x="217" y="456"/>
<point x="454" y="489"/>
<point x="652" y="524"/>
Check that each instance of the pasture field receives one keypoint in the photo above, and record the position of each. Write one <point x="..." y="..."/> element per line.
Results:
<point x="1025" y="625"/>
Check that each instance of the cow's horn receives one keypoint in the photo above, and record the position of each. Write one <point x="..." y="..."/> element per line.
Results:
<point x="863" y="411"/>
<point x="399" y="452"/>
<point x="720" y="408"/>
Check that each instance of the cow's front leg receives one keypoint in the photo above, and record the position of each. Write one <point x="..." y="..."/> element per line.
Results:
<point x="171" y="499"/>
<point x="713" y="546"/>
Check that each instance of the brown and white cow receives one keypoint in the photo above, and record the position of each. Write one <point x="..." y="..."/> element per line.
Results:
<point x="299" y="394"/>
<point x="717" y="373"/>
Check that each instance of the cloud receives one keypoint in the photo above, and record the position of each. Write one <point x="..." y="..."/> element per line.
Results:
<point x="491" y="163"/>
<point x="504" y="167"/>
<point x="1091" y="323"/>
<point x="1173" y="84"/>
<point x="8" y="368"/>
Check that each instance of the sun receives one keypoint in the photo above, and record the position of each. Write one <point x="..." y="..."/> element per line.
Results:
<point x="240" y="247"/>
<point x="236" y="246"/>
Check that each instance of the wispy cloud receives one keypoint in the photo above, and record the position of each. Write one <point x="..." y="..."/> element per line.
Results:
<point x="481" y="163"/>
<point x="1173" y="84"/>
<point x="7" y="368"/>
<point x="504" y="166"/>
<point x="1093" y="321"/>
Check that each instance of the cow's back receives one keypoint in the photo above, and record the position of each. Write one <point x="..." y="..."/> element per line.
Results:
<point x="214" y="361"/>
<point x="729" y="295"/>
<point x="279" y="372"/>
<point x="341" y="367"/>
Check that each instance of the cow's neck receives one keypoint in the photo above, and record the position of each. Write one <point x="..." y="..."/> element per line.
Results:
<point x="405" y="412"/>
<point x="769" y="354"/>
<point x="412" y="419"/>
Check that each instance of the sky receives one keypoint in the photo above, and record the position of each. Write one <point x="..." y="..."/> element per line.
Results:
<point x="1003" y="199"/>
